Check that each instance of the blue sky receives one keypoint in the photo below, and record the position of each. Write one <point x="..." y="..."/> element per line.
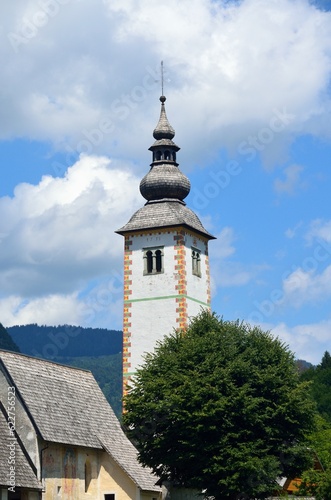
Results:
<point x="248" y="93"/>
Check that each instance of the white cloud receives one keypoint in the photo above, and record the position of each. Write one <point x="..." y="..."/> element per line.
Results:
<point x="292" y="181"/>
<point x="302" y="287"/>
<point x="60" y="233"/>
<point x="319" y="229"/>
<point x="50" y="310"/>
<point x="307" y="341"/>
<point x="61" y="262"/>
<point x="97" y="306"/>
<point x="246" y="70"/>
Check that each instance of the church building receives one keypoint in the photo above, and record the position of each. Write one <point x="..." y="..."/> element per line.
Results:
<point x="166" y="267"/>
<point x="60" y="439"/>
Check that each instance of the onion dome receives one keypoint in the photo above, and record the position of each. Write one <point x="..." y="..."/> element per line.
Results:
<point x="164" y="180"/>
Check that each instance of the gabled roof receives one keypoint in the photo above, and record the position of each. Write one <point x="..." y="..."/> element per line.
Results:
<point x="24" y="475"/>
<point x="67" y="406"/>
<point x="164" y="213"/>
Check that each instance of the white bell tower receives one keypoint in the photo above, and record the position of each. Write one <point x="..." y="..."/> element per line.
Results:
<point x="166" y="268"/>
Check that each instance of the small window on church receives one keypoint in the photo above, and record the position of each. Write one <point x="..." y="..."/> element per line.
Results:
<point x="167" y="155"/>
<point x="153" y="260"/>
<point x="196" y="262"/>
<point x="110" y="496"/>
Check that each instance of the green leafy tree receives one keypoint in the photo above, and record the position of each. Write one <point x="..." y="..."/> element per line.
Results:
<point x="320" y="377"/>
<point x="316" y="481"/>
<point x="220" y="407"/>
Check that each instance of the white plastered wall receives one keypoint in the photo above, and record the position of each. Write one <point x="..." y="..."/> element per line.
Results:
<point x="153" y="309"/>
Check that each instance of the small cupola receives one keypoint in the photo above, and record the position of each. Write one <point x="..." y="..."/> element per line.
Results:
<point x="164" y="180"/>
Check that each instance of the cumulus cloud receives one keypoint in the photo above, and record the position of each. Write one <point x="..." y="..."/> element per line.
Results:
<point x="307" y="341"/>
<point x="292" y="181"/>
<point x="49" y="310"/>
<point x="60" y="233"/>
<point x="302" y="287"/>
<point x="319" y="229"/>
<point x="310" y="283"/>
<point x="247" y="70"/>
<point x="97" y="305"/>
<point x="84" y="77"/>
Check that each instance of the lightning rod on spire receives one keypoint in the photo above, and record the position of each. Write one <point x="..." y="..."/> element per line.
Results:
<point x="162" y="79"/>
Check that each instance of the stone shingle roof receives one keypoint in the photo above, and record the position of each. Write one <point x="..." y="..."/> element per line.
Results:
<point x="165" y="181"/>
<point x="24" y="475"/>
<point x="68" y="407"/>
<point x="164" y="142"/>
<point x="163" y="129"/>
<point x="164" y="213"/>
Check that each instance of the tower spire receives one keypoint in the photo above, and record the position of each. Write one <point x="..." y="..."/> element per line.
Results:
<point x="164" y="180"/>
<point x="162" y="78"/>
<point x="164" y="187"/>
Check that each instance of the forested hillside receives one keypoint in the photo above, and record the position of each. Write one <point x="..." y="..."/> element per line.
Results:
<point x="320" y="377"/>
<point x="50" y="342"/>
<point x="107" y="371"/>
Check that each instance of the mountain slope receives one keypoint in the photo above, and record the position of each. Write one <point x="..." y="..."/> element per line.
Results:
<point x="6" y="341"/>
<point x="50" y="342"/>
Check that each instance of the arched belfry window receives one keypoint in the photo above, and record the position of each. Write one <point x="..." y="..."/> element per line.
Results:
<point x="167" y="155"/>
<point x="196" y="262"/>
<point x="153" y="260"/>
<point x="149" y="261"/>
<point x="158" y="261"/>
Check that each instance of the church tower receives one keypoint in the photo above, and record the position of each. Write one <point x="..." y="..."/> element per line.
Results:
<point x="166" y="269"/>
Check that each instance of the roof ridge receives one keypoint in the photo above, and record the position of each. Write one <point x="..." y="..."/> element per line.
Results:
<point x="37" y="358"/>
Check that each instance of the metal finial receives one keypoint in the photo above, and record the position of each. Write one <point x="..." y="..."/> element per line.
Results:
<point x="162" y="77"/>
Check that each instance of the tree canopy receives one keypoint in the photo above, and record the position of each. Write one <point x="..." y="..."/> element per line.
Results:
<point x="320" y="377"/>
<point x="6" y="342"/>
<point x="316" y="481"/>
<point x="219" y="407"/>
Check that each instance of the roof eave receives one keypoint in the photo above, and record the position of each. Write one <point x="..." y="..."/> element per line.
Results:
<point x="133" y="479"/>
<point x="124" y="231"/>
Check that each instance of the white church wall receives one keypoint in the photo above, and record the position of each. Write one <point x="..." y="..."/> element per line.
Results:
<point x="156" y="304"/>
<point x="153" y="285"/>
<point x="151" y="321"/>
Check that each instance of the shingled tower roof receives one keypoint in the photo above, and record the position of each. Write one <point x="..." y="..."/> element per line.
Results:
<point x="164" y="187"/>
